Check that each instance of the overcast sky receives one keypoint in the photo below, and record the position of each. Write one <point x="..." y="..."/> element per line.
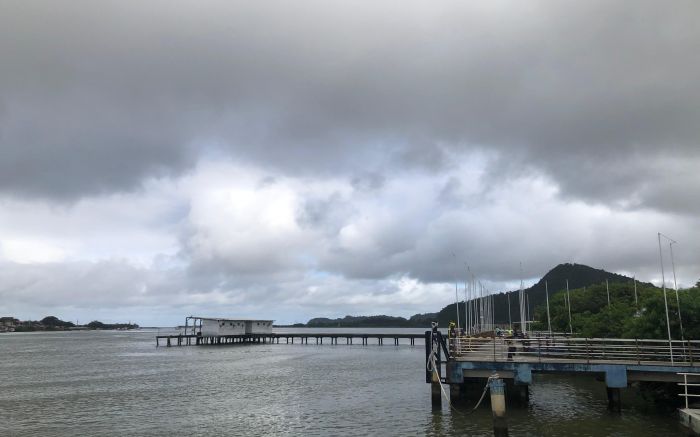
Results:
<point x="320" y="158"/>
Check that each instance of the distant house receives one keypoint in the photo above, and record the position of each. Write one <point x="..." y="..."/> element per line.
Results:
<point x="212" y="327"/>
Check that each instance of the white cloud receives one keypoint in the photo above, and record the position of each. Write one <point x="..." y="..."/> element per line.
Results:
<point x="240" y="240"/>
<point x="26" y="251"/>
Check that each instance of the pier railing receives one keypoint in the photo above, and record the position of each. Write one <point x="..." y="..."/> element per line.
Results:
<point x="685" y="384"/>
<point x="586" y="350"/>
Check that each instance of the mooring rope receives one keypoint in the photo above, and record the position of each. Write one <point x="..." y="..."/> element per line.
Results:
<point x="431" y="366"/>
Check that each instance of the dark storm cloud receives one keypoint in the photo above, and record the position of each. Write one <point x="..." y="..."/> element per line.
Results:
<point x="97" y="96"/>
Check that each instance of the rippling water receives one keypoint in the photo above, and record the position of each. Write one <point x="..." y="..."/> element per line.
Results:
<point x="118" y="383"/>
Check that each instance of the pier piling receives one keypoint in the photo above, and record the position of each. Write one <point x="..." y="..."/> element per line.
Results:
<point x="614" y="400"/>
<point x="498" y="406"/>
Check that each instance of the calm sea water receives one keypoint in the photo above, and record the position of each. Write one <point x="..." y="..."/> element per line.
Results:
<point x="118" y="384"/>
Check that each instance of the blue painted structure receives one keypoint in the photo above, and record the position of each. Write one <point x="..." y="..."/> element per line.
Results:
<point x="616" y="375"/>
<point x="616" y="372"/>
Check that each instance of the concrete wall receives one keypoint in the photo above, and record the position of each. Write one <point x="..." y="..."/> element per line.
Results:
<point x="690" y="417"/>
<point x="258" y="327"/>
<point x="213" y="327"/>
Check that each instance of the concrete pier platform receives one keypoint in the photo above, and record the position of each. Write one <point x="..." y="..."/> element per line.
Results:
<point x="690" y="417"/>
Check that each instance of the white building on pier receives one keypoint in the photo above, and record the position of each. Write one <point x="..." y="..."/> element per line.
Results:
<point x="213" y="327"/>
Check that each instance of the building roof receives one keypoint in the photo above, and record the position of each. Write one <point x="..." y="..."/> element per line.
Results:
<point x="219" y="319"/>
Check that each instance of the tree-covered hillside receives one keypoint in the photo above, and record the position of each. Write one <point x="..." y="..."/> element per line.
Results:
<point x="360" y="321"/>
<point x="591" y="316"/>
<point x="578" y="275"/>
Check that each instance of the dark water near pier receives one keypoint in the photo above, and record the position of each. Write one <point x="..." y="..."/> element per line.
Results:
<point x="118" y="384"/>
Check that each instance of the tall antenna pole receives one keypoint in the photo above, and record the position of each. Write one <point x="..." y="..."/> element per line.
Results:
<point x="467" y="328"/>
<point x="568" y="300"/>
<point x="527" y="302"/>
<point x="456" y="295"/>
<point x="523" y="325"/>
<point x="663" y="284"/>
<point x="636" y="302"/>
<point x="607" y="289"/>
<point x="457" y="304"/>
<point x="468" y="302"/>
<point x="482" y="308"/>
<point x="549" y="320"/>
<point x="510" y="321"/>
<point x="475" y="309"/>
<point x="675" y="286"/>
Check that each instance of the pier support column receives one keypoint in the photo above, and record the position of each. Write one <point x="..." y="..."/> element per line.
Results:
<point x="614" y="399"/>
<point x="433" y="369"/>
<point x="615" y="379"/>
<point x="435" y="391"/>
<point x="523" y="391"/>
<point x="498" y="407"/>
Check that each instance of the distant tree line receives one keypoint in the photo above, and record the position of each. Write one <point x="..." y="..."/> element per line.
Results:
<point x="53" y="323"/>
<point x="380" y="321"/>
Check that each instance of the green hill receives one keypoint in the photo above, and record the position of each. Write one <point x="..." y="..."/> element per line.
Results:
<point x="578" y="275"/>
<point x="360" y="321"/>
<point x="581" y="278"/>
<point x="592" y="316"/>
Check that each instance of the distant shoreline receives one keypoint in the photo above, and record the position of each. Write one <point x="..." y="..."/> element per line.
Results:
<point x="53" y="323"/>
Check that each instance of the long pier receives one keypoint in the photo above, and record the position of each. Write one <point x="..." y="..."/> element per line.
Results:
<point x="302" y="338"/>
<point x="617" y="361"/>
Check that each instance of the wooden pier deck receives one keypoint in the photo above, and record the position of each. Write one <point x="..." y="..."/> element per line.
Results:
<point x="289" y="338"/>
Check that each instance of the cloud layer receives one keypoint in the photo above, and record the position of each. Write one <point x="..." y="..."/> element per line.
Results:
<point x="332" y="157"/>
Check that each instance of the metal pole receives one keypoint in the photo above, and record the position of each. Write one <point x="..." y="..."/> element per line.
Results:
<point x="457" y="305"/>
<point x="527" y="302"/>
<point x="482" y="308"/>
<point x="523" y="326"/>
<point x="510" y="321"/>
<point x="607" y="290"/>
<point x="663" y="284"/>
<point x="466" y="310"/>
<point x="467" y="304"/>
<point x="549" y="320"/>
<point x="568" y="299"/>
<point x="456" y="292"/>
<point x="675" y="286"/>
<point x="636" y="302"/>
<point x="475" y="306"/>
